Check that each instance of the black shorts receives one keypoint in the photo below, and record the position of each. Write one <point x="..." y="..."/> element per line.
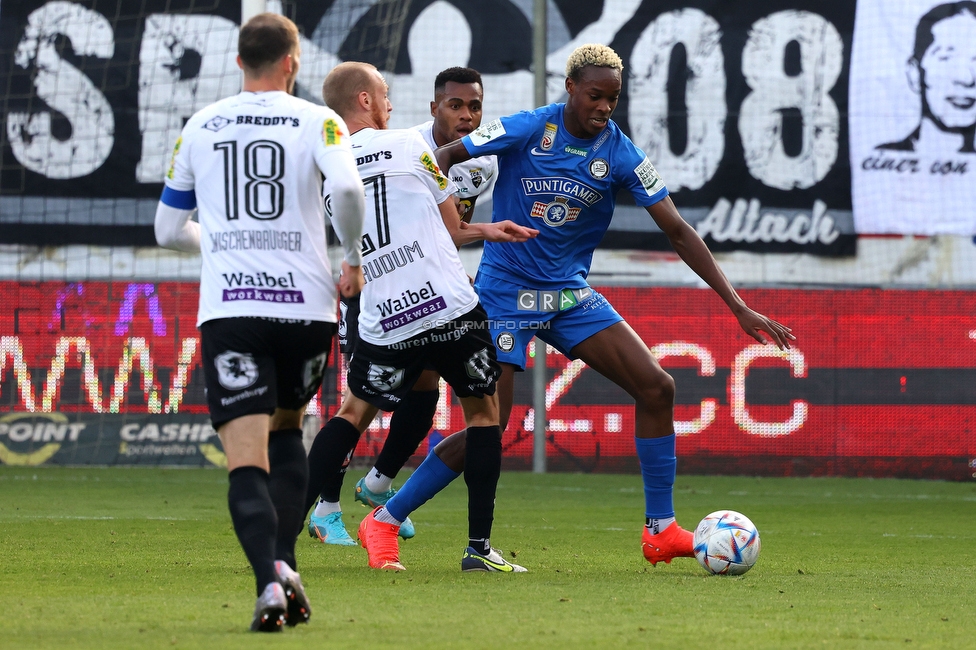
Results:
<point x="461" y="352"/>
<point x="348" y="324"/>
<point x="255" y="365"/>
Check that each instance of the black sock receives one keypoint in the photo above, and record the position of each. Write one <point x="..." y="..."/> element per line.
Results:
<point x="409" y="425"/>
<point x="287" y="486"/>
<point x="255" y="521"/>
<point x="327" y="459"/>
<point x="482" y="465"/>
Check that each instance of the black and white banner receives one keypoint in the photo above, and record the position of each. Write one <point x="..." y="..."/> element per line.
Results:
<point x="913" y="117"/>
<point x="741" y="105"/>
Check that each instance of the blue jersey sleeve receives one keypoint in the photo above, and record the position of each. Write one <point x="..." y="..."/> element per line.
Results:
<point x="502" y="135"/>
<point x="637" y="174"/>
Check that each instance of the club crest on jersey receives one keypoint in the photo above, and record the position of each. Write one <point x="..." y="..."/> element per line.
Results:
<point x="384" y="378"/>
<point x="476" y="177"/>
<point x="556" y="213"/>
<point x="548" y="136"/>
<point x="331" y="133"/>
<point x="428" y="162"/>
<point x="599" y="168"/>
<point x="216" y="123"/>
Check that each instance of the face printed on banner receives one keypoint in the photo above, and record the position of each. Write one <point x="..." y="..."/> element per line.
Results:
<point x="942" y="72"/>
<point x="946" y="74"/>
<point x="912" y="144"/>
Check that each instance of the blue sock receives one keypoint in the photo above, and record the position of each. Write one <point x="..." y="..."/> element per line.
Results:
<point x="430" y="478"/>
<point x="658" y="464"/>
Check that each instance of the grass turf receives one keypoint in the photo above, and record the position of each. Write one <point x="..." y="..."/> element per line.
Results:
<point x="123" y="558"/>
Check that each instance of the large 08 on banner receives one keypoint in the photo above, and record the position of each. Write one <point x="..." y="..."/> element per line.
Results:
<point x="879" y="383"/>
<point x="740" y="105"/>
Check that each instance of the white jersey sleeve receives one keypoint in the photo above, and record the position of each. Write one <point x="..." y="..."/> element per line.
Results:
<point x="333" y="155"/>
<point x="179" y="176"/>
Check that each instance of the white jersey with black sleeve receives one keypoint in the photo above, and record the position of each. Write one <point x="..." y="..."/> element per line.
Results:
<point x="255" y="162"/>
<point x="414" y="277"/>
<point x="471" y="178"/>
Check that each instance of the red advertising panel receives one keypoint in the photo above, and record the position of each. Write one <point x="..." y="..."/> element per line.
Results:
<point x="879" y="383"/>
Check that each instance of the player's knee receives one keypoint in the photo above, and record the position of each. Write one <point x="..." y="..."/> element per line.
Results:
<point x="480" y="411"/>
<point x="287" y="419"/>
<point x="451" y="450"/>
<point x="355" y="411"/>
<point x="657" y="392"/>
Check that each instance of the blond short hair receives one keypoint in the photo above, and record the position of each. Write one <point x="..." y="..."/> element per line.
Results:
<point x="342" y="86"/>
<point x="601" y="56"/>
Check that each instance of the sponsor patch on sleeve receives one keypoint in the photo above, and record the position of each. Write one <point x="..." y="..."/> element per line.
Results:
<point x="649" y="177"/>
<point x="331" y="132"/>
<point x="431" y="165"/>
<point x="487" y="132"/>
<point x="172" y="160"/>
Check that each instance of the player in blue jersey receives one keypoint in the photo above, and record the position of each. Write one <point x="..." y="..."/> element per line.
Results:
<point x="560" y="168"/>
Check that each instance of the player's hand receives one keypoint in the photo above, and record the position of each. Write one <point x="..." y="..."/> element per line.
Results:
<point x="753" y="322"/>
<point x="351" y="280"/>
<point x="508" y="231"/>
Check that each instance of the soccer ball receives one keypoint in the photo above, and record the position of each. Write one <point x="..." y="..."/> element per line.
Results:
<point x="726" y="542"/>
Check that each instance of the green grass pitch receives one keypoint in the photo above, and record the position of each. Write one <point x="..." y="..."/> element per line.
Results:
<point x="146" y="558"/>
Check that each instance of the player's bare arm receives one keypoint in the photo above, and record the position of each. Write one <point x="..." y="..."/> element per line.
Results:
<point x="464" y="233"/>
<point x="690" y="247"/>
<point x="451" y="154"/>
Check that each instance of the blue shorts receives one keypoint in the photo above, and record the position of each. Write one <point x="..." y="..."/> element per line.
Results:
<point x="563" y="319"/>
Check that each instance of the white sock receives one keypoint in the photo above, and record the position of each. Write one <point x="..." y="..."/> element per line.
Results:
<point x="323" y="508"/>
<point x="383" y="515"/>
<point x="657" y="526"/>
<point x="378" y="482"/>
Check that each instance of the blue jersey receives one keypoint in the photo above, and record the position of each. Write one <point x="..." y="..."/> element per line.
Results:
<point x="564" y="187"/>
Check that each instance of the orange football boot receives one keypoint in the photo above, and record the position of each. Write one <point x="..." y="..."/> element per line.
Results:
<point x="674" y="541"/>
<point x="380" y="541"/>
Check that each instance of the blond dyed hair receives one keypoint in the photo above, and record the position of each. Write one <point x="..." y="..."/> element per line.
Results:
<point x="601" y="56"/>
